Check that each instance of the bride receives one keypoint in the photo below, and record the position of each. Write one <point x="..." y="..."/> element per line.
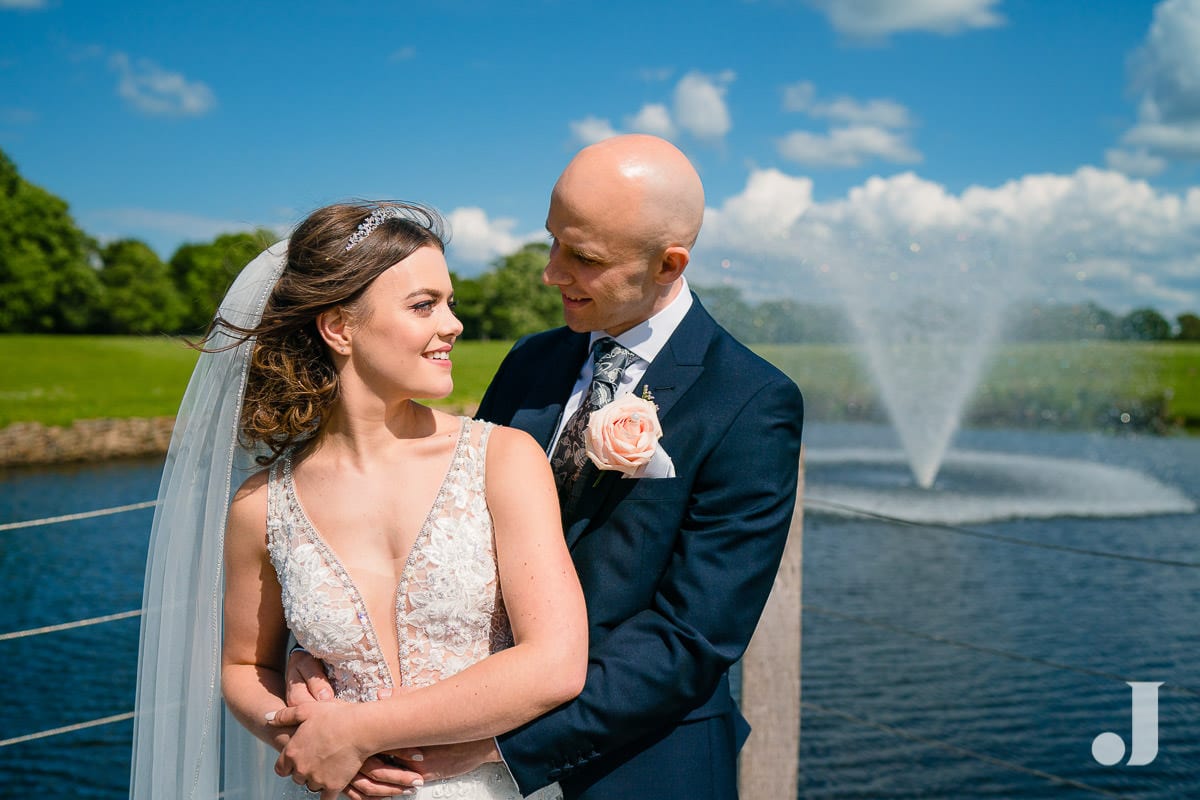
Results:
<point x="418" y="555"/>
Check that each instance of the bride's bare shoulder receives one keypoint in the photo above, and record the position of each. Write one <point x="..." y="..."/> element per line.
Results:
<point x="248" y="510"/>
<point x="515" y="450"/>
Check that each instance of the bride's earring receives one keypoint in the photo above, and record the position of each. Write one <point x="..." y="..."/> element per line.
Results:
<point x="332" y="325"/>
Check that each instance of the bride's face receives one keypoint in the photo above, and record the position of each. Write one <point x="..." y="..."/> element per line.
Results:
<point x="403" y="329"/>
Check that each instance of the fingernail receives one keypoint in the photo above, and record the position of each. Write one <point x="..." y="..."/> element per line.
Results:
<point x="418" y="782"/>
<point x="270" y="715"/>
<point x="324" y="694"/>
<point x="416" y="757"/>
<point x="385" y="693"/>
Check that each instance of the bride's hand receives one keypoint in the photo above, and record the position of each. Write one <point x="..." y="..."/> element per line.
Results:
<point x="322" y="753"/>
<point x="306" y="679"/>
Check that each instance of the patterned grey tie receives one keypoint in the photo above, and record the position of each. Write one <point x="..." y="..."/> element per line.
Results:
<point x="610" y="360"/>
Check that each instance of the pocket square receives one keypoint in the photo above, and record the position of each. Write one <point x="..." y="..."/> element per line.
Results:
<point x="660" y="465"/>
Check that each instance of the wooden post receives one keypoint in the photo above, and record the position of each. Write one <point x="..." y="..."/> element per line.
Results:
<point x="769" y="767"/>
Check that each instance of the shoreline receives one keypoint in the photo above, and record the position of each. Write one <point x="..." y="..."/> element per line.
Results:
<point x="93" y="441"/>
<point x="32" y="444"/>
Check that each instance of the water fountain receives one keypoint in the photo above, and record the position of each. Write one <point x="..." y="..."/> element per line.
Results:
<point x="928" y="305"/>
<point x="927" y="311"/>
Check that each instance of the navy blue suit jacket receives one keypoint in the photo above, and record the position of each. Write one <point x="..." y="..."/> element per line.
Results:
<point x="675" y="571"/>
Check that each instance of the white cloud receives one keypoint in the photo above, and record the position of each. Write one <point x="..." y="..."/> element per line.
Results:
<point x="880" y="112"/>
<point x="656" y="74"/>
<point x="1165" y="72"/>
<point x="763" y="214"/>
<point x="154" y="90"/>
<point x="1175" y="140"/>
<point x="590" y="130"/>
<point x="476" y="240"/>
<point x="698" y="108"/>
<point x="847" y="147"/>
<point x="654" y="118"/>
<point x="165" y="230"/>
<point x="18" y="116"/>
<point x="1137" y="163"/>
<point x="873" y="19"/>
<point x="406" y="53"/>
<point x="1090" y="235"/>
<point x="87" y="52"/>
<point x="799" y="96"/>
<point x="700" y="105"/>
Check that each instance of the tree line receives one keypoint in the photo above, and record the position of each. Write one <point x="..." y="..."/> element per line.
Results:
<point x="54" y="278"/>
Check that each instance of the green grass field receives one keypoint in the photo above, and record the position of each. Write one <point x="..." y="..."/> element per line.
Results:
<point x="1068" y="384"/>
<point x="57" y="379"/>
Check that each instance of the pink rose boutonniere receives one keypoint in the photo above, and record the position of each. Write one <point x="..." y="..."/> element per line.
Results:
<point x="623" y="436"/>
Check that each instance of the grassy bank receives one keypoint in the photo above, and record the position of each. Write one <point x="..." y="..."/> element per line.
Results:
<point x="57" y="379"/>
<point x="1151" y="385"/>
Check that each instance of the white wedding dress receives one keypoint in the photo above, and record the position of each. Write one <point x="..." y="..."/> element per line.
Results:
<point x="449" y="612"/>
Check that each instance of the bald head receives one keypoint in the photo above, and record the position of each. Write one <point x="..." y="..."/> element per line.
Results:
<point x="645" y="179"/>
<point x="623" y="218"/>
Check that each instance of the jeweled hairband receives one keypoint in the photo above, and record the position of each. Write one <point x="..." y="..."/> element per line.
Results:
<point x="373" y="221"/>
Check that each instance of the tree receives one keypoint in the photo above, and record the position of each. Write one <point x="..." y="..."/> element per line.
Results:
<point x="471" y="307"/>
<point x="1144" y="325"/>
<point x="1189" y="327"/>
<point x="139" y="295"/>
<point x="1064" y="323"/>
<point x="203" y="272"/>
<point x="773" y="321"/>
<point x="46" y="281"/>
<point x="511" y="300"/>
<point x="728" y="308"/>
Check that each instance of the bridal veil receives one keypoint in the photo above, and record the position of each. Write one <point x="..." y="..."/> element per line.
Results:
<point x="185" y="744"/>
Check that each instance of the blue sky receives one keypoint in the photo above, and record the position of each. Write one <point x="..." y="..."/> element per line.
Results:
<point x="1069" y="127"/>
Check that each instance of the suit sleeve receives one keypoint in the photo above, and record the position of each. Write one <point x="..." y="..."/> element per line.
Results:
<point x="655" y="667"/>
<point x="489" y="407"/>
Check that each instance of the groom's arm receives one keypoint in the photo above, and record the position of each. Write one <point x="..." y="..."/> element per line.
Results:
<point x="382" y="775"/>
<point x="655" y="667"/>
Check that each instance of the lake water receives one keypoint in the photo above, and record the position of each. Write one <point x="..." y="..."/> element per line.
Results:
<point x="936" y="663"/>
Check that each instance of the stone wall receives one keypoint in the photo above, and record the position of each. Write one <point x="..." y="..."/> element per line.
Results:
<point x="28" y="443"/>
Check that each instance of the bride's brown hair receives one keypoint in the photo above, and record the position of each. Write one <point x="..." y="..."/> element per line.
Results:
<point x="291" y="382"/>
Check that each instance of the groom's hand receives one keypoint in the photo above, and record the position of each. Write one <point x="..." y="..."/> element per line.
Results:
<point x="397" y="772"/>
<point x="383" y="774"/>
<point x="306" y="679"/>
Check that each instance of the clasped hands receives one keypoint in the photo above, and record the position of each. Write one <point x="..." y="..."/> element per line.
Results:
<point x="321" y="752"/>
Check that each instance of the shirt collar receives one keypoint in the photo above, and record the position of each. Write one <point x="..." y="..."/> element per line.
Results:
<point x="647" y="339"/>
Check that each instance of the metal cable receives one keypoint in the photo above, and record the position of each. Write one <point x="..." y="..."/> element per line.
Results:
<point x="1000" y="762"/>
<point x="989" y="650"/>
<point x="79" y="726"/>
<point x="66" y="626"/>
<point x="102" y="512"/>
<point x="995" y="537"/>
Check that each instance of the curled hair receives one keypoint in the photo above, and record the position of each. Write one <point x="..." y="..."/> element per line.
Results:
<point x="292" y="382"/>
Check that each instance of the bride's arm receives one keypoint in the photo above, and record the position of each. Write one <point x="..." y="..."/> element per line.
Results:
<point x="545" y="668"/>
<point x="255" y="632"/>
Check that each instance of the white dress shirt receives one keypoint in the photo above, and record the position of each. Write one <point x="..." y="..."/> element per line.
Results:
<point x="645" y="340"/>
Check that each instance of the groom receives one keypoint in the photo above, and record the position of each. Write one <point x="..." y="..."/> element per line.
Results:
<point x="675" y="570"/>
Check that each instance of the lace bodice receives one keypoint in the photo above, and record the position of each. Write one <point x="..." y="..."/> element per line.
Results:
<point x="448" y="609"/>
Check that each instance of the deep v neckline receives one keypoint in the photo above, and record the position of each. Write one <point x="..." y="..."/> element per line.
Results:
<point x="370" y="631"/>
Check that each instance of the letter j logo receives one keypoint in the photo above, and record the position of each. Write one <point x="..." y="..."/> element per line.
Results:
<point x="1108" y="748"/>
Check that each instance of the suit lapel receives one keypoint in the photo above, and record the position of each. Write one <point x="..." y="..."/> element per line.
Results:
<point x="668" y="378"/>
<point x="540" y="411"/>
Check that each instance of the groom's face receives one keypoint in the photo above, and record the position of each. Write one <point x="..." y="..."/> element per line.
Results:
<point x="603" y="270"/>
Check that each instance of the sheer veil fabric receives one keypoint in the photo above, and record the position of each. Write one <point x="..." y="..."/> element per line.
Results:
<point x="183" y="737"/>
